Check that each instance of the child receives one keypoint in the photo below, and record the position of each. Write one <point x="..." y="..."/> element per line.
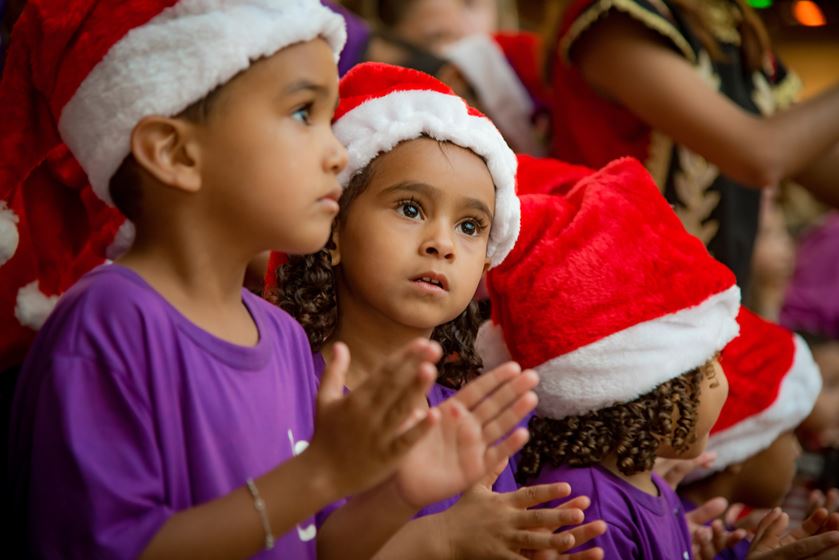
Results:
<point x="692" y="89"/>
<point x="429" y="205"/>
<point x="163" y="410"/>
<point x="773" y="384"/>
<point x="624" y="315"/>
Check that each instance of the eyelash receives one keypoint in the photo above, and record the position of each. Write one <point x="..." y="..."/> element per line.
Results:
<point x="480" y="225"/>
<point x="307" y="109"/>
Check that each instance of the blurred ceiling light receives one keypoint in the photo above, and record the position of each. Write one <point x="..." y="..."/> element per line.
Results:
<point x="808" y="14"/>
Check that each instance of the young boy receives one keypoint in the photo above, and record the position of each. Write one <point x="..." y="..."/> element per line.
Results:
<point x="164" y="411"/>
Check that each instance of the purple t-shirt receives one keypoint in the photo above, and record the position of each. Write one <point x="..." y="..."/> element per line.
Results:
<point x="640" y="526"/>
<point x="506" y="481"/>
<point x="126" y="412"/>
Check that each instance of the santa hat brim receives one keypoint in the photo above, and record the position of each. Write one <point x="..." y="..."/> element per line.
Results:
<point x="175" y="59"/>
<point x="380" y="124"/>
<point x="628" y="364"/>
<point x="797" y="395"/>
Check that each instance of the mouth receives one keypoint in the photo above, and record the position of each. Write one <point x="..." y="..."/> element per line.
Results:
<point x="433" y="280"/>
<point x="333" y="195"/>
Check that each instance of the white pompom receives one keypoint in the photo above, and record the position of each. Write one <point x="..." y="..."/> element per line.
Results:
<point x="9" y="236"/>
<point x="490" y="345"/>
<point x="33" y="306"/>
<point x="122" y="241"/>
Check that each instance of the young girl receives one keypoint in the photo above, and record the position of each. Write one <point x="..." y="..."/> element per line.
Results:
<point x="692" y="89"/>
<point x="429" y="205"/>
<point x="165" y="412"/>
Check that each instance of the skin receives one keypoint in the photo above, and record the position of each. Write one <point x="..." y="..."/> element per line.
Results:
<point x="633" y="66"/>
<point x="821" y="428"/>
<point x="261" y="173"/>
<point x="712" y="394"/>
<point x="427" y="210"/>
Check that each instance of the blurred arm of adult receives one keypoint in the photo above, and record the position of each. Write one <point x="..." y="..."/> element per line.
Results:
<point x="634" y="66"/>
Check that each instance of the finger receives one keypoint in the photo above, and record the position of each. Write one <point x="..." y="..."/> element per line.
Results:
<point x="399" y="372"/>
<point x="765" y="523"/>
<point x="818" y="547"/>
<point x="703" y="542"/>
<point x="547" y="518"/>
<point x="508" y="446"/>
<point x="814" y="522"/>
<point x="509" y="418"/>
<point x="334" y="377"/>
<point x="505" y="395"/>
<point x="542" y="540"/>
<point x="404" y="442"/>
<point x="733" y="514"/>
<point x="484" y="385"/>
<point x="832" y="500"/>
<point x="490" y="479"/>
<point x="409" y="403"/>
<point x="584" y="534"/>
<point x="590" y="554"/>
<point x="817" y="499"/>
<point x="530" y="496"/>
<point x="711" y="509"/>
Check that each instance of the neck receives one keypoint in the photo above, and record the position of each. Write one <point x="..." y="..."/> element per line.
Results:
<point x="199" y="272"/>
<point x="642" y="480"/>
<point x="370" y="336"/>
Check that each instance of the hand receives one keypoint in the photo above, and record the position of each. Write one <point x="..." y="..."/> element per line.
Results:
<point x="708" y="542"/>
<point x="488" y="525"/>
<point x="771" y="543"/>
<point x="472" y="437"/>
<point x="829" y="501"/>
<point x="673" y="471"/>
<point x="361" y="438"/>
<point x="749" y="522"/>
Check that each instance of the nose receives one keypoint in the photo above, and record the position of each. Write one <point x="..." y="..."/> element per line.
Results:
<point x="438" y="242"/>
<point x="336" y="157"/>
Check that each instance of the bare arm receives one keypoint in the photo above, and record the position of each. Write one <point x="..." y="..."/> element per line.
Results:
<point x="631" y="64"/>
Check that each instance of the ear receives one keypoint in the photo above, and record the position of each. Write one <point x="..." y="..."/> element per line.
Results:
<point x="167" y="148"/>
<point x="334" y="248"/>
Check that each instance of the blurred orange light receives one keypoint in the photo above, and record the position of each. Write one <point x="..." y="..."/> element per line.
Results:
<point x="808" y="14"/>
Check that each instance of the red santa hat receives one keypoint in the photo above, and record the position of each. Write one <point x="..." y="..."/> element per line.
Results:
<point x="382" y="105"/>
<point x="504" y="69"/>
<point x="83" y="74"/>
<point x="606" y="295"/>
<point x="773" y="384"/>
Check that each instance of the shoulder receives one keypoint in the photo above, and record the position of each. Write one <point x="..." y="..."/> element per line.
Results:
<point x="657" y="17"/>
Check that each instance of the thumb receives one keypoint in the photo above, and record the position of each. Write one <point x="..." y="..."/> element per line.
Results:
<point x="733" y="514"/>
<point x="711" y="509"/>
<point x="492" y="476"/>
<point x="334" y="377"/>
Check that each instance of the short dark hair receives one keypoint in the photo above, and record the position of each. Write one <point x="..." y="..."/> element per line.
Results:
<point x="632" y="431"/>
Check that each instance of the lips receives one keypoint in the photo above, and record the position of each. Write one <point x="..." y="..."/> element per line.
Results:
<point x="334" y="194"/>
<point x="433" y="279"/>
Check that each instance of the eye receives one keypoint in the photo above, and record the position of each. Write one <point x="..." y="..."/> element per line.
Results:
<point x="471" y="227"/>
<point x="409" y="209"/>
<point x="303" y="114"/>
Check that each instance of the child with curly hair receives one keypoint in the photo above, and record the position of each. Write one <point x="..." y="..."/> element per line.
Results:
<point x="623" y="317"/>
<point x="429" y="205"/>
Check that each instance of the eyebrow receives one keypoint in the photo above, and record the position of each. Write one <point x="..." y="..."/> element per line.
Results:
<point x="431" y="191"/>
<point x="306" y="85"/>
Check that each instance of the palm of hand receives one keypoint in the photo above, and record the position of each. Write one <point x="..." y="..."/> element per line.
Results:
<point x="452" y="456"/>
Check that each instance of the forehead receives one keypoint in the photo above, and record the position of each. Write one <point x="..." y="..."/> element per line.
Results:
<point x="311" y="61"/>
<point x="455" y="171"/>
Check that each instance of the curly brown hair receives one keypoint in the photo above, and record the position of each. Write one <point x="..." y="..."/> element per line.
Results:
<point x="306" y="290"/>
<point x="632" y="431"/>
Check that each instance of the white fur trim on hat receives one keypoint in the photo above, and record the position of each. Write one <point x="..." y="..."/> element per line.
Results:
<point x="9" y="236"/>
<point x="175" y="59"/>
<point x="490" y="345"/>
<point x="499" y="88"/>
<point x="122" y="242"/>
<point x="380" y="124"/>
<point x="630" y="363"/>
<point x="798" y="393"/>
<point x="33" y="306"/>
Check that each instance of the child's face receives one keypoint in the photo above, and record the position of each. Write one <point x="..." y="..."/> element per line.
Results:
<point x="821" y="428"/>
<point x="433" y="24"/>
<point x="412" y="246"/>
<point x="764" y="479"/>
<point x="713" y="391"/>
<point x="269" y="158"/>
